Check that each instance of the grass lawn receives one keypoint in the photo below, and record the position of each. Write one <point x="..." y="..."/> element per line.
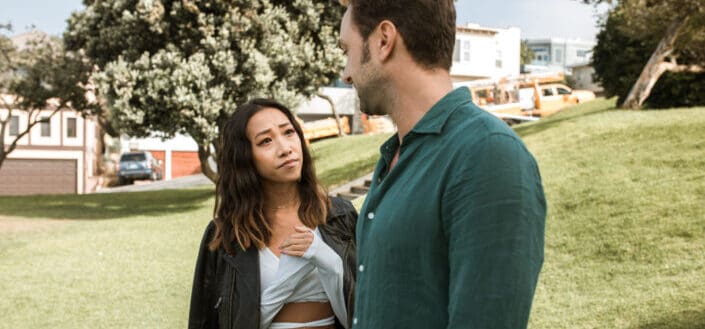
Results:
<point x="339" y="160"/>
<point x="122" y="260"/>
<point x="625" y="234"/>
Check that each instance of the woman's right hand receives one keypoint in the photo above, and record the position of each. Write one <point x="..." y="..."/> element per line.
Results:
<point x="298" y="243"/>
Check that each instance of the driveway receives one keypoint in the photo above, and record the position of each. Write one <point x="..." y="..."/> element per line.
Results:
<point x="176" y="183"/>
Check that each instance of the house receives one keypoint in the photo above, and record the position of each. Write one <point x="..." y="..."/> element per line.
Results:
<point x="479" y="53"/>
<point x="560" y="54"/>
<point x="59" y="155"/>
<point x="178" y="155"/>
<point x="582" y="78"/>
<point x="485" y="53"/>
<point x="316" y="108"/>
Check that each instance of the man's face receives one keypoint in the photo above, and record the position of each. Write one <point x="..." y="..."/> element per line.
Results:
<point x="360" y="69"/>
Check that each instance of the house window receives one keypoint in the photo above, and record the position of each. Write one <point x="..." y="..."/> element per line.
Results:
<point x="71" y="127"/>
<point x="466" y="50"/>
<point x="559" y="55"/>
<point x="456" y="51"/>
<point x="45" y="126"/>
<point x="14" y="125"/>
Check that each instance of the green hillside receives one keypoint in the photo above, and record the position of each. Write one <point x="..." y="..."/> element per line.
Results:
<point x="625" y="233"/>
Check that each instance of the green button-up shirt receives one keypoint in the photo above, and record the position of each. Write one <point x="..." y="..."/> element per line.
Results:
<point x="452" y="236"/>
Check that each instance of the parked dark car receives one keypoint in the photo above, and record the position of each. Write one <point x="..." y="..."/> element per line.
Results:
<point x="138" y="165"/>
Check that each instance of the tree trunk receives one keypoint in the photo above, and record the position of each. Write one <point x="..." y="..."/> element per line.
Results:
<point x="335" y="113"/>
<point x="357" y="127"/>
<point x="204" y="154"/>
<point x="655" y="66"/>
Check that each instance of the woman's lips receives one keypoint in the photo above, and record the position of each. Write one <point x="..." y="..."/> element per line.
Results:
<point x="289" y="163"/>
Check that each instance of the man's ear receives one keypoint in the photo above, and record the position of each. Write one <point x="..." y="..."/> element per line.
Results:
<point x="387" y="33"/>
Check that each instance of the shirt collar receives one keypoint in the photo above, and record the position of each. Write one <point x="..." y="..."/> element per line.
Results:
<point x="433" y="121"/>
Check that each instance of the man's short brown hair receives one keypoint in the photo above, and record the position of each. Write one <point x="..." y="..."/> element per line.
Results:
<point x="427" y="26"/>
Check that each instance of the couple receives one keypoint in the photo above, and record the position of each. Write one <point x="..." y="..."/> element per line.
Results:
<point x="450" y="234"/>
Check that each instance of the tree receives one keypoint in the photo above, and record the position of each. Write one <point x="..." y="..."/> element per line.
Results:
<point x="527" y="55"/>
<point x="37" y="76"/>
<point x="619" y="58"/>
<point x="328" y="99"/>
<point x="184" y="66"/>
<point x="679" y="27"/>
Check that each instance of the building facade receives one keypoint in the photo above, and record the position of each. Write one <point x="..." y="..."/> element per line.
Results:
<point x="59" y="155"/>
<point x="178" y="155"/>
<point x="560" y="54"/>
<point x="485" y="53"/>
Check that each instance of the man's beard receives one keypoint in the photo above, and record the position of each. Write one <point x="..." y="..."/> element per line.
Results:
<point x="373" y="94"/>
<point x="372" y="97"/>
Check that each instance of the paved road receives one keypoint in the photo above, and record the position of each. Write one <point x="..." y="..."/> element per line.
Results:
<point x="176" y="183"/>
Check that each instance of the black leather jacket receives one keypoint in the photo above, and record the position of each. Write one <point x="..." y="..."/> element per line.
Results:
<point x="226" y="288"/>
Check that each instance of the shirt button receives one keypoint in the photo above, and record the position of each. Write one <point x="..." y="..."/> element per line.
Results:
<point x="361" y="268"/>
<point x="371" y="215"/>
<point x="354" y="320"/>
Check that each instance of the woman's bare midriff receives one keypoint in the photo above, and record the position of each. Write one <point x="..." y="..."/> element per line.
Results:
<point x="305" y="312"/>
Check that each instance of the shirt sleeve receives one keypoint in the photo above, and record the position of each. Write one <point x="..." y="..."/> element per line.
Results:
<point x="330" y="272"/>
<point x="493" y="215"/>
<point x="203" y="313"/>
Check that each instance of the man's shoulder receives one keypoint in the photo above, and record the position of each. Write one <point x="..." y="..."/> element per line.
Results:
<point x="470" y="124"/>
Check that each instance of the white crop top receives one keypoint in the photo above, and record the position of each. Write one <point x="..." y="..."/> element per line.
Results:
<point x="317" y="276"/>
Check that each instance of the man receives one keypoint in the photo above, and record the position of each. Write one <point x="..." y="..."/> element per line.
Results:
<point x="451" y="233"/>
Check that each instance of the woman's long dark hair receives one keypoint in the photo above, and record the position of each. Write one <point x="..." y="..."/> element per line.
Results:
<point x="239" y="201"/>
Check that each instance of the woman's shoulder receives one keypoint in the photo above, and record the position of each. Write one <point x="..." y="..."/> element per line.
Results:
<point x="340" y="207"/>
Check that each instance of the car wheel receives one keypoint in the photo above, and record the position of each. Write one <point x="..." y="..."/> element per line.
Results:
<point x="122" y="181"/>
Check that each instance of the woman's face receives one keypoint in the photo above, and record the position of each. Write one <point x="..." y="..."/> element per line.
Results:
<point x="276" y="147"/>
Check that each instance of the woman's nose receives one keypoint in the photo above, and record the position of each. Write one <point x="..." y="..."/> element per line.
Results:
<point x="284" y="149"/>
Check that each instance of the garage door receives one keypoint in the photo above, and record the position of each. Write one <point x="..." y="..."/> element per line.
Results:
<point x="37" y="176"/>
<point x="184" y="164"/>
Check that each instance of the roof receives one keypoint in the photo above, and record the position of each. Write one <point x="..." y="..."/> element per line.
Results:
<point x="476" y="29"/>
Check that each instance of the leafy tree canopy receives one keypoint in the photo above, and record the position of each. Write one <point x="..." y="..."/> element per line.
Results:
<point x="184" y="66"/>
<point x="37" y="75"/>
<point x="665" y="36"/>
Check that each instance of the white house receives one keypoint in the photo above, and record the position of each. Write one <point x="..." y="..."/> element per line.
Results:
<point x="560" y="54"/>
<point x="582" y="78"/>
<point x="58" y="155"/>
<point x="343" y="97"/>
<point x="479" y="53"/>
<point x="485" y="53"/>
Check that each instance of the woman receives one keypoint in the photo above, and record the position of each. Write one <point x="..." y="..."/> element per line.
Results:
<point x="279" y="253"/>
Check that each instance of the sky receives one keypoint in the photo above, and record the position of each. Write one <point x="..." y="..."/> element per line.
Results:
<point x="568" y="19"/>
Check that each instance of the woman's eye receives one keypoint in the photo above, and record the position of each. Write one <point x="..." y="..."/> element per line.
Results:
<point x="264" y="141"/>
<point x="290" y="131"/>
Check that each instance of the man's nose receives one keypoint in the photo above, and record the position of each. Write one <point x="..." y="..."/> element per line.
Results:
<point x="346" y="77"/>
